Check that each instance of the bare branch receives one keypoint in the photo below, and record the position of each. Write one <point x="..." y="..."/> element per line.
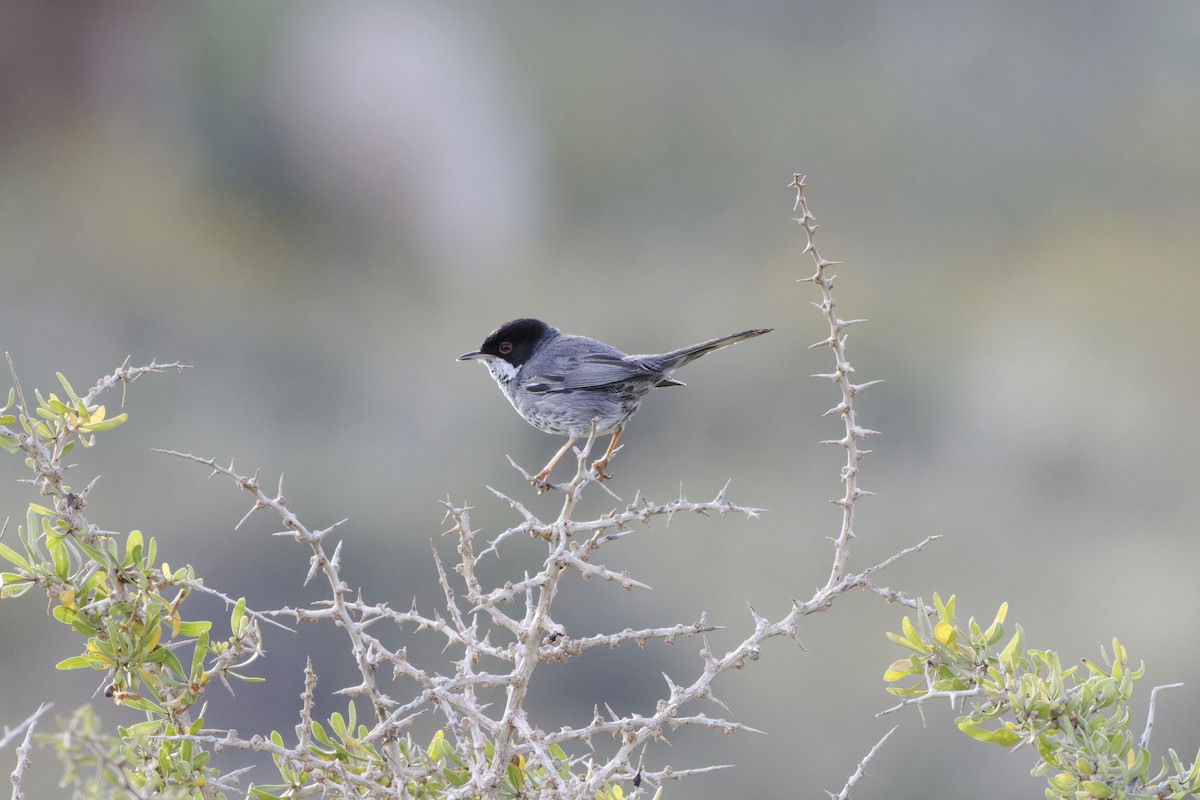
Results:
<point x="844" y="794"/>
<point x="1145" y="740"/>
<point x="27" y="726"/>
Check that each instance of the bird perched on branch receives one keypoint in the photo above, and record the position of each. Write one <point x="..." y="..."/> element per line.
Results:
<point x="562" y="384"/>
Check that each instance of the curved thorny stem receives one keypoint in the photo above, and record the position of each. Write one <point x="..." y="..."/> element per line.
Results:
<point x="842" y="370"/>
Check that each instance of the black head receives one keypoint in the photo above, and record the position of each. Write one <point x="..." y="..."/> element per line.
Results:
<point x="513" y="342"/>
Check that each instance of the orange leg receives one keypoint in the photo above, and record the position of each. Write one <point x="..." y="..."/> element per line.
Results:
<point x="539" y="480"/>
<point x="600" y="465"/>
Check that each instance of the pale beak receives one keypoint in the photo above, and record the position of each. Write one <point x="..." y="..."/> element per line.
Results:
<point x="475" y="355"/>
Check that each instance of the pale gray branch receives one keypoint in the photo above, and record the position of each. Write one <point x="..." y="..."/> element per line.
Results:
<point x="844" y="794"/>
<point x="26" y="727"/>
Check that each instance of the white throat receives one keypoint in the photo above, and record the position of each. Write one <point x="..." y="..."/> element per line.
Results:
<point x="501" y="370"/>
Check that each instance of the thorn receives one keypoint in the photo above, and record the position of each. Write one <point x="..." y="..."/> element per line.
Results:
<point x="858" y="387"/>
<point x="255" y="507"/>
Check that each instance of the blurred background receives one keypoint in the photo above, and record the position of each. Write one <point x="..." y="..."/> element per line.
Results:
<point x="320" y="206"/>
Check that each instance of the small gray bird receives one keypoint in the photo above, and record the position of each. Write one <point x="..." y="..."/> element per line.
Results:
<point x="561" y="384"/>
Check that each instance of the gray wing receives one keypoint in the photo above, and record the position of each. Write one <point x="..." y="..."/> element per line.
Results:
<point x="589" y="367"/>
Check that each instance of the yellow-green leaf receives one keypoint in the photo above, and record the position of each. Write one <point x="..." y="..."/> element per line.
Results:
<point x="900" y="640"/>
<point x="945" y="633"/>
<point x="910" y="633"/>
<point x="1096" y="788"/>
<point x="194" y="628"/>
<point x="239" y="613"/>
<point x="1012" y="650"/>
<point x="75" y="662"/>
<point x="435" y="747"/>
<point x="1002" y="737"/>
<point x="105" y="425"/>
<point x="900" y="668"/>
<point x="133" y="548"/>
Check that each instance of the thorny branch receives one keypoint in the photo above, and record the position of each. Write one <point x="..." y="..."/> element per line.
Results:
<point x="26" y="727"/>
<point x="501" y="634"/>
<point x="844" y="794"/>
<point x="842" y="370"/>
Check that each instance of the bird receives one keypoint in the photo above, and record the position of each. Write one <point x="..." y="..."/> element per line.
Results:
<point x="564" y="384"/>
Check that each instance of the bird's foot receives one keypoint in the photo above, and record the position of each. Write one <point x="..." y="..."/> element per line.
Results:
<point x="599" y="466"/>
<point x="540" y="481"/>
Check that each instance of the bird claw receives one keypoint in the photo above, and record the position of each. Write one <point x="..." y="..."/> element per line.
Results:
<point x="540" y="483"/>
<point x="599" y="467"/>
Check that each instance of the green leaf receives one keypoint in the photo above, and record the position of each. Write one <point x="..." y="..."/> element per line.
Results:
<point x="67" y="387"/>
<point x="1063" y="782"/>
<point x="901" y="668"/>
<point x="97" y="555"/>
<point x="194" y="628"/>
<point x="52" y="408"/>
<point x="107" y="424"/>
<point x="560" y="756"/>
<point x="53" y="529"/>
<point x="900" y="640"/>
<point x="12" y="588"/>
<point x="247" y="678"/>
<point x="142" y="704"/>
<point x="198" y="655"/>
<point x="1002" y="737"/>
<point x="168" y="659"/>
<point x="152" y="631"/>
<point x="133" y="548"/>
<point x="1097" y="788"/>
<point x="239" y="613"/>
<point x="456" y="779"/>
<point x="1012" y="651"/>
<point x="12" y="556"/>
<point x="75" y="662"/>
<point x="83" y="625"/>
<point x="910" y="633"/>
<point x="947" y="613"/>
<point x="62" y="559"/>
<point x="63" y="614"/>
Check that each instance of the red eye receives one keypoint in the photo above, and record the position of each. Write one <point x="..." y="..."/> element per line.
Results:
<point x="505" y="348"/>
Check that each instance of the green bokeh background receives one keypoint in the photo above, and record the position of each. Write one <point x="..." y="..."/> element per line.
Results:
<point x="320" y="206"/>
